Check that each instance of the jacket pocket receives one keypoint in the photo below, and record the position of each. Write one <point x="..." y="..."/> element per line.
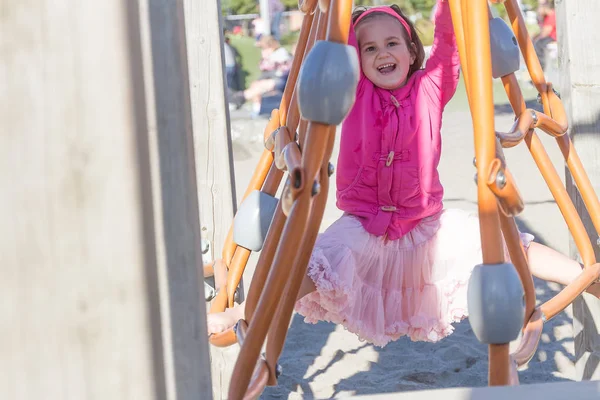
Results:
<point x="353" y="184"/>
<point x="409" y="192"/>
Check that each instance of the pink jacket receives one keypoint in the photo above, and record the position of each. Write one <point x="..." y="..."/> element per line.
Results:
<point x="390" y="142"/>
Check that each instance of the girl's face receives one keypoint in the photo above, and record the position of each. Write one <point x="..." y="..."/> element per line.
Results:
<point x="385" y="54"/>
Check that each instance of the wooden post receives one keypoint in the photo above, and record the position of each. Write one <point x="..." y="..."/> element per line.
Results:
<point x="579" y="58"/>
<point x="212" y="144"/>
<point x="99" y="230"/>
<point x="210" y="118"/>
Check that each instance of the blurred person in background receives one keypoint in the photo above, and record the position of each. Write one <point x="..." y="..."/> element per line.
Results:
<point x="276" y="11"/>
<point x="547" y="34"/>
<point x="274" y="66"/>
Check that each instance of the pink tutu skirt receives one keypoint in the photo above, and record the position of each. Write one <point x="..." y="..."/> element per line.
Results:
<point x="415" y="286"/>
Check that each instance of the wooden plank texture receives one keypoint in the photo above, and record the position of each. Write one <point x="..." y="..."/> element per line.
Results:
<point x="98" y="229"/>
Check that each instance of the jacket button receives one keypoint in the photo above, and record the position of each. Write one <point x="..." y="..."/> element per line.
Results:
<point x="388" y="208"/>
<point x="390" y="159"/>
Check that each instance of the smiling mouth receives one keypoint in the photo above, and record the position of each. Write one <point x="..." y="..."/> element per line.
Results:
<point x="387" y="68"/>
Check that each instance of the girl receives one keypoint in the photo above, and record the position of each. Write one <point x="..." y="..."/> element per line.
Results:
<point x="396" y="263"/>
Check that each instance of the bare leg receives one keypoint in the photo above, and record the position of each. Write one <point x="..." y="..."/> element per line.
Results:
<point x="550" y="265"/>
<point x="258" y="88"/>
<point x="220" y="322"/>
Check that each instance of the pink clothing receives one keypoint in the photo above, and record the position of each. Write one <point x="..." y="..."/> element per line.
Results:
<point x="381" y="290"/>
<point x="396" y="264"/>
<point x="386" y="10"/>
<point x="390" y="142"/>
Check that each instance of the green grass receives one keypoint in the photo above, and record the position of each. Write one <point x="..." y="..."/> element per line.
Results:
<point x="250" y="54"/>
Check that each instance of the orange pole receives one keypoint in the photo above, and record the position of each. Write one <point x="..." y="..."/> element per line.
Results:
<point x="460" y="32"/>
<point x="526" y="45"/>
<point x="480" y="87"/>
<point x="279" y="327"/>
<point x="519" y="259"/>
<point x="340" y="13"/>
<point x="483" y="124"/>
<point x="509" y="227"/>
<point x="267" y="254"/>
<point x="586" y="190"/>
<point x="562" y="198"/>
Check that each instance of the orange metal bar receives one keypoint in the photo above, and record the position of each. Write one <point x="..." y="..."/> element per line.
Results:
<point x="527" y="49"/>
<point x="508" y="197"/>
<point x="508" y="225"/>
<point x="238" y="262"/>
<point x="300" y="189"/>
<point x="483" y="123"/>
<point x="480" y="87"/>
<point x="520" y="128"/>
<point x="278" y="330"/>
<point x="305" y="30"/>
<point x="278" y="117"/>
<point x="264" y="263"/>
<point x="338" y="24"/>
<point x="555" y="124"/>
<point x="285" y="255"/>
<point x="582" y="181"/>
<point x="269" y="180"/>
<point x="271" y="241"/>
<point x="562" y="198"/>
<point x="307" y="6"/>
<point x="272" y="180"/>
<point x="513" y="91"/>
<point x="260" y="374"/>
<point x="519" y="260"/>
<point x="549" y="125"/>
<point x="256" y="182"/>
<point x="566" y="296"/>
<point x="460" y="31"/>
<point x="528" y="120"/>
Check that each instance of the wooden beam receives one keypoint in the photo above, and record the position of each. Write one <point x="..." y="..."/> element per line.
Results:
<point x="213" y="148"/>
<point x="579" y="58"/>
<point x="98" y="233"/>
<point x="210" y="118"/>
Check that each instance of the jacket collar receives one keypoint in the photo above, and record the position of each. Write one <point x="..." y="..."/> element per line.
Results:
<point x="397" y="97"/>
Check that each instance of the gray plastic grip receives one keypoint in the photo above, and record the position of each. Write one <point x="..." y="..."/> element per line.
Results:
<point x="504" y="48"/>
<point x="496" y="303"/>
<point x="327" y="82"/>
<point x="253" y="219"/>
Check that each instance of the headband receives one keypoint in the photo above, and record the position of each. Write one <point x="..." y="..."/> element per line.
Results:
<point x="386" y="10"/>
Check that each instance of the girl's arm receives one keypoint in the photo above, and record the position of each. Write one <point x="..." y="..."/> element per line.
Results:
<point x="443" y="66"/>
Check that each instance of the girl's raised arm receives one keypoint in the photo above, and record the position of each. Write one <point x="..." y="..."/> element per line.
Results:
<point x="443" y="66"/>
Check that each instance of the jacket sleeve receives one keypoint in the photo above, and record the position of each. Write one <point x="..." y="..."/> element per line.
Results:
<point x="442" y="69"/>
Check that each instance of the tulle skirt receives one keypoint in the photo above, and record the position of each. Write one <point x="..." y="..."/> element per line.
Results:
<point x="382" y="290"/>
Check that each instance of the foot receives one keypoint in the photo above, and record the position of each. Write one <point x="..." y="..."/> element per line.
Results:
<point x="220" y="322"/>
